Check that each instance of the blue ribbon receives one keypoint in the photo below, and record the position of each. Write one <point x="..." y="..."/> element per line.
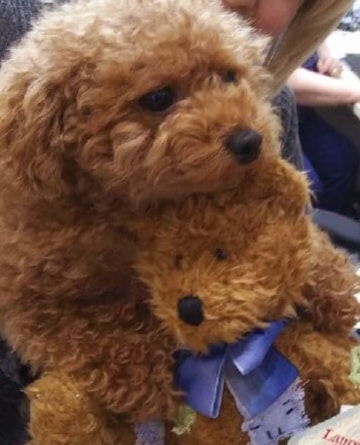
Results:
<point x="255" y="373"/>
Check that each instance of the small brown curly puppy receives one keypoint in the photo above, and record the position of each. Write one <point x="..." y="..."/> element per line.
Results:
<point x="265" y="243"/>
<point x="245" y="257"/>
<point x="219" y="268"/>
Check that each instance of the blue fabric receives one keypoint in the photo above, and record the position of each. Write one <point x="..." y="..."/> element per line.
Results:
<point x="281" y="420"/>
<point x="255" y="373"/>
<point x="150" y="433"/>
<point x="258" y="390"/>
<point x="330" y="159"/>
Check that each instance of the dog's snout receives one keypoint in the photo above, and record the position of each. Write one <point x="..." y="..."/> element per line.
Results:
<point x="190" y="310"/>
<point x="244" y="144"/>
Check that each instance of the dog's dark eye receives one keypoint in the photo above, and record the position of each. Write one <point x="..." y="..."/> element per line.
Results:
<point x="158" y="100"/>
<point x="230" y="76"/>
<point x="220" y="254"/>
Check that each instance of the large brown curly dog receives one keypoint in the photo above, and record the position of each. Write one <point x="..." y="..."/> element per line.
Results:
<point x="106" y="109"/>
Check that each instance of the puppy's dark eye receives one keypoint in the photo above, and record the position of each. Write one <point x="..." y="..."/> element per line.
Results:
<point x="220" y="254"/>
<point x="230" y="76"/>
<point x="158" y="100"/>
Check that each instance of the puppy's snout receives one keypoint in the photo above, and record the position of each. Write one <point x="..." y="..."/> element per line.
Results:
<point x="244" y="144"/>
<point x="190" y="310"/>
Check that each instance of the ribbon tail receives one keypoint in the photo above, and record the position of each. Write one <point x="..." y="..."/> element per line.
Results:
<point x="258" y="390"/>
<point x="281" y="420"/>
<point x="201" y="379"/>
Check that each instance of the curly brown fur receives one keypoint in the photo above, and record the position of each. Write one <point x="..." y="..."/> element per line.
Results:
<point x="58" y="406"/>
<point x="113" y="347"/>
<point x="331" y="287"/>
<point x="72" y="122"/>
<point x="80" y="159"/>
<point x="265" y="240"/>
<point x="323" y="360"/>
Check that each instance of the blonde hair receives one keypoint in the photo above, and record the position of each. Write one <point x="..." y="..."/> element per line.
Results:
<point x="314" y="21"/>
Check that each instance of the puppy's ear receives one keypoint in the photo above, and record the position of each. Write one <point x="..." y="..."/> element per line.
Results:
<point x="32" y="137"/>
<point x="331" y="287"/>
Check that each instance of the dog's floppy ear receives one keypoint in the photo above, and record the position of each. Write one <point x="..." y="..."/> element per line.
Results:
<point x="32" y="137"/>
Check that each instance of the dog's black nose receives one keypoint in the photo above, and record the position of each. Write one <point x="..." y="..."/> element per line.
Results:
<point x="244" y="144"/>
<point x="190" y="310"/>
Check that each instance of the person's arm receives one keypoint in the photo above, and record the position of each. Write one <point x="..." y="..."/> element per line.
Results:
<point x="314" y="89"/>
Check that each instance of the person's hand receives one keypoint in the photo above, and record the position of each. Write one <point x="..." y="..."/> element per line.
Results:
<point x="329" y="66"/>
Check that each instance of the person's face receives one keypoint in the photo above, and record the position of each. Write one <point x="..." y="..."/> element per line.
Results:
<point x="269" y="16"/>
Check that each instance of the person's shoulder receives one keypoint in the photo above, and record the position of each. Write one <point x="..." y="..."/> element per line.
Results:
<point x="285" y="105"/>
<point x="284" y="98"/>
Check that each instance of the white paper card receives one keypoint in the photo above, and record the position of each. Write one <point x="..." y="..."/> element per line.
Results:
<point x="343" y="429"/>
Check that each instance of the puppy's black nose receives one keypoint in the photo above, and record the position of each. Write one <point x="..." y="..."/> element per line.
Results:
<point x="244" y="144"/>
<point x="190" y="310"/>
